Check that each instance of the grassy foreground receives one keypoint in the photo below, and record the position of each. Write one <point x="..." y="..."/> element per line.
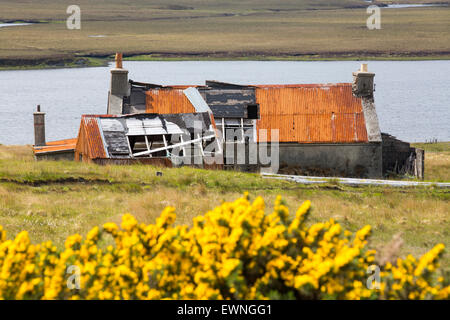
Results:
<point x="244" y="29"/>
<point x="52" y="200"/>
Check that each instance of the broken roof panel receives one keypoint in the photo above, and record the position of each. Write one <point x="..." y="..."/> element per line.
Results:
<point x="111" y="124"/>
<point x="224" y="85"/>
<point x="223" y="100"/>
<point x="196" y="100"/>
<point x="149" y="127"/>
<point x="106" y="136"/>
<point x="192" y="122"/>
<point x="116" y="143"/>
<point x="230" y="103"/>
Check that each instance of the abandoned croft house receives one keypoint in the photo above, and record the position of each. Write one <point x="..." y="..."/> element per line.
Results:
<point x="319" y="129"/>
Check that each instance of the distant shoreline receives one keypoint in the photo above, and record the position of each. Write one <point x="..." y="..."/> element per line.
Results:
<point x="57" y="62"/>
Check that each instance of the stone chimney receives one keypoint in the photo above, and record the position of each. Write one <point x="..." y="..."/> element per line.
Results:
<point x="39" y="127"/>
<point x="363" y="85"/>
<point x="119" y="87"/>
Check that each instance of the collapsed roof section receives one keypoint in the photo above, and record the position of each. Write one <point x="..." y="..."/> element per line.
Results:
<point x="143" y="135"/>
<point x="224" y="100"/>
<point x="228" y="100"/>
<point x="305" y="113"/>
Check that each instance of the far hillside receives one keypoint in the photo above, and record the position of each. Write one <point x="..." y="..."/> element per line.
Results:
<point x="248" y="29"/>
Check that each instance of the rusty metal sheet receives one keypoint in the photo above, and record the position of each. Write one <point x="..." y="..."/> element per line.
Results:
<point x="168" y="100"/>
<point x="56" y="146"/>
<point x="62" y="142"/>
<point x="312" y="113"/>
<point x="93" y="138"/>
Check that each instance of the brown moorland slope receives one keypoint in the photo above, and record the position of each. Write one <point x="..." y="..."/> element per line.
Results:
<point x="197" y="29"/>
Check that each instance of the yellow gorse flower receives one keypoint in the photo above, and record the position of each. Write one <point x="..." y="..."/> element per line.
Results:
<point x="235" y="251"/>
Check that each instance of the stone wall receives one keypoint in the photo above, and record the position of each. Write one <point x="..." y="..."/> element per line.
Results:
<point x="399" y="158"/>
<point x="362" y="160"/>
<point x="65" y="155"/>
<point x="340" y="160"/>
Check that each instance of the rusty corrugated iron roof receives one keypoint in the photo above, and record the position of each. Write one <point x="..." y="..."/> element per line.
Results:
<point x="304" y="113"/>
<point x="168" y="100"/>
<point x="92" y="137"/>
<point x="56" y="146"/>
<point x="304" y="85"/>
<point x="62" y="142"/>
<point x="322" y="113"/>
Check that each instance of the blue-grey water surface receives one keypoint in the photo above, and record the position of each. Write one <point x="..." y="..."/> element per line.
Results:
<point x="412" y="97"/>
<point x="4" y="25"/>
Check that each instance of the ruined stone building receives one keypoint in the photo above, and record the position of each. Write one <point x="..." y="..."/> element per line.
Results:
<point x="319" y="129"/>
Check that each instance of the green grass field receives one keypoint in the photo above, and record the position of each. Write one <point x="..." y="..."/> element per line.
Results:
<point x="247" y="29"/>
<point x="52" y="200"/>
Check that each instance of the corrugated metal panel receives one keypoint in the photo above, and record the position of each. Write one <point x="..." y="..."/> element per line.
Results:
<point x="111" y="125"/>
<point x="54" y="149"/>
<point x="312" y="113"/>
<point x="169" y="100"/>
<point x="56" y="146"/>
<point x="156" y="126"/>
<point x="93" y="138"/>
<point x="80" y="146"/>
<point x="361" y="130"/>
<point x="62" y="142"/>
<point x="136" y="127"/>
<point x="308" y="85"/>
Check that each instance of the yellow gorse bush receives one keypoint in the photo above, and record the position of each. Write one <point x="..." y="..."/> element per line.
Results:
<point x="235" y="251"/>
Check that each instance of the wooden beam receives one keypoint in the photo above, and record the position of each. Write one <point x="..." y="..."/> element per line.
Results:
<point x="172" y="146"/>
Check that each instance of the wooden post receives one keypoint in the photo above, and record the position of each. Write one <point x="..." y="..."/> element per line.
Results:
<point x="420" y="163"/>
<point x="165" y="145"/>
<point x="148" y="145"/>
